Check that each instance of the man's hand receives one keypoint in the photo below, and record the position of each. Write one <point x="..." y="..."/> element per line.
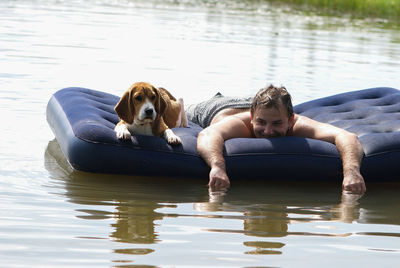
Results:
<point x="210" y="145"/>
<point x="354" y="183"/>
<point x="218" y="179"/>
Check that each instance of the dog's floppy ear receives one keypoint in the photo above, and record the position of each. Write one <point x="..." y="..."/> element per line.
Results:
<point x="161" y="104"/>
<point x="124" y="107"/>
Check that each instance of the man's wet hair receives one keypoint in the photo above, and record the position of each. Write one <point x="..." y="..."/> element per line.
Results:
<point x="272" y="96"/>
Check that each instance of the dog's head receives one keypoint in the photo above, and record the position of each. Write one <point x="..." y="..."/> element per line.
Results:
<point x="141" y="103"/>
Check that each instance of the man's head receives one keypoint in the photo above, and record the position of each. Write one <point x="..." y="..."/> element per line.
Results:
<point x="272" y="112"/>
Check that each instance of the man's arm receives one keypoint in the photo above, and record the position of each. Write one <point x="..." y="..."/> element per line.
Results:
<point x="210" y="144"/>
<point x="347" y="144"/>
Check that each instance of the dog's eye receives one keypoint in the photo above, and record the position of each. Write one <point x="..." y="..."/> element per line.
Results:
<point x="153" y="97"/>
<point x="138" y="98"/>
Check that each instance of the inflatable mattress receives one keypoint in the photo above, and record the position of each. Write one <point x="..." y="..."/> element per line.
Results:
<point x="83" y="121"/>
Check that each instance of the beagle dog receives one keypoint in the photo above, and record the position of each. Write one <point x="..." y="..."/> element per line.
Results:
<point x="146" y="110"/>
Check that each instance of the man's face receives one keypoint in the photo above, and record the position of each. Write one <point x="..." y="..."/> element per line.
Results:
<point x="271" y="122"/>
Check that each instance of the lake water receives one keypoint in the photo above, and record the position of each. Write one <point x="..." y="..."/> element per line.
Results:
<point x="53" y="216"/>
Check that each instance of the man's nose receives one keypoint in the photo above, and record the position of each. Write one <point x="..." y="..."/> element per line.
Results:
<point x="268" y="130"/>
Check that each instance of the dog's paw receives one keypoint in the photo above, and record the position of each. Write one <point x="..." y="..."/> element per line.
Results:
<point x="123" y="135"/>
<point x="175" y="140"/>
<point x="122" y="132"/>
<point x="171" y="138"/>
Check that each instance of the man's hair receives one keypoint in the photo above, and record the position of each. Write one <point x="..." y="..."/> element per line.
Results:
<point x="272" y="96"/>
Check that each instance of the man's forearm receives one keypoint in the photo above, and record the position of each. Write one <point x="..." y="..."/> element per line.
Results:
<point x="210" y="148"/>
<point x="350" y="150"/>
<point x="352" y="154"/>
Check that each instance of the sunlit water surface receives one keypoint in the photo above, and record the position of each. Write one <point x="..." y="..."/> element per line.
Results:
<point x="52" y="216"/>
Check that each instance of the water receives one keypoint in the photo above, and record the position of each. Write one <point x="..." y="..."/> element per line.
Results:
<point x="52" y="216"/>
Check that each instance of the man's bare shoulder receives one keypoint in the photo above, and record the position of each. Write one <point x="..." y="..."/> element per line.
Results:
<point x="309" y="128"/>
<point x="241" y="118"/>
<point x="228" y="112"/>
<point x="300" y="125"/>
<point x="244" y="116"/>
<point x="234" y="126"/>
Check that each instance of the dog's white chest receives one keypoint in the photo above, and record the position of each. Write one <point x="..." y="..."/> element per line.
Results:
<point x="141" y="129"/>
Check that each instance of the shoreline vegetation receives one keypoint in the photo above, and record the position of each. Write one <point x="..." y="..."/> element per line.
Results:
<point x="388" y="10"/>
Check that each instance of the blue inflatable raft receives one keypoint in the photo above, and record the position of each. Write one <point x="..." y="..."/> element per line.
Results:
<point x="83" y="122"/>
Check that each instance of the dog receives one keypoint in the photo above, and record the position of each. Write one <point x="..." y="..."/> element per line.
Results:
<point x="146" y="110"/>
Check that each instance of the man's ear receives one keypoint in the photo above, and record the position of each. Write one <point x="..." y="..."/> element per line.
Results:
<point x="124" y="108"/>
<point x="291" y="121"/>
<point x="251" y="116"/>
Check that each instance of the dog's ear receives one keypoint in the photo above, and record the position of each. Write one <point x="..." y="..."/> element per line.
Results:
<point x="124" y="108"/>
<point x="161" y="104"/>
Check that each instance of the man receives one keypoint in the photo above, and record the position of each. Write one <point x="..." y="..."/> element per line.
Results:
<point x="268" y="114"/>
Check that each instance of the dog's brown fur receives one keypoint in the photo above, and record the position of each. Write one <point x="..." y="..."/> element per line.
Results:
<point x="169" y="112"/>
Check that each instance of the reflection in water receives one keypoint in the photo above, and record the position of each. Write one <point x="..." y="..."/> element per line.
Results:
<point x="347" y="211"/>
<point x="269" y="212"/>
<point x="269" y="221"/>
<point x="135" y="222"/>
<point x="272" y="220"/>
<point x="131" y="201"/>
<point x="266" y="220"/>
<point x="262" y="247"/>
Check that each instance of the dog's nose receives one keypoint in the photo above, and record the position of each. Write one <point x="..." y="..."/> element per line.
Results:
<point x="149" y="111"/>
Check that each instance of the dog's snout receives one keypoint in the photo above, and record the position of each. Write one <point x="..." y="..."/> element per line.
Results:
<point x="149" y="111"/>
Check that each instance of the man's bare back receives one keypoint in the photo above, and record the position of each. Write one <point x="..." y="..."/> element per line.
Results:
<point x="227" y="112"/>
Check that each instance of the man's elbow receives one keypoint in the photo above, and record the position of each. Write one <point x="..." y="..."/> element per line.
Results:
<point x="349" y="141"/>
<point x="202" y="136"/>
<point x="346" y="137"/>
<point x="353" y="138"/>
<point x="203" y="140"/>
